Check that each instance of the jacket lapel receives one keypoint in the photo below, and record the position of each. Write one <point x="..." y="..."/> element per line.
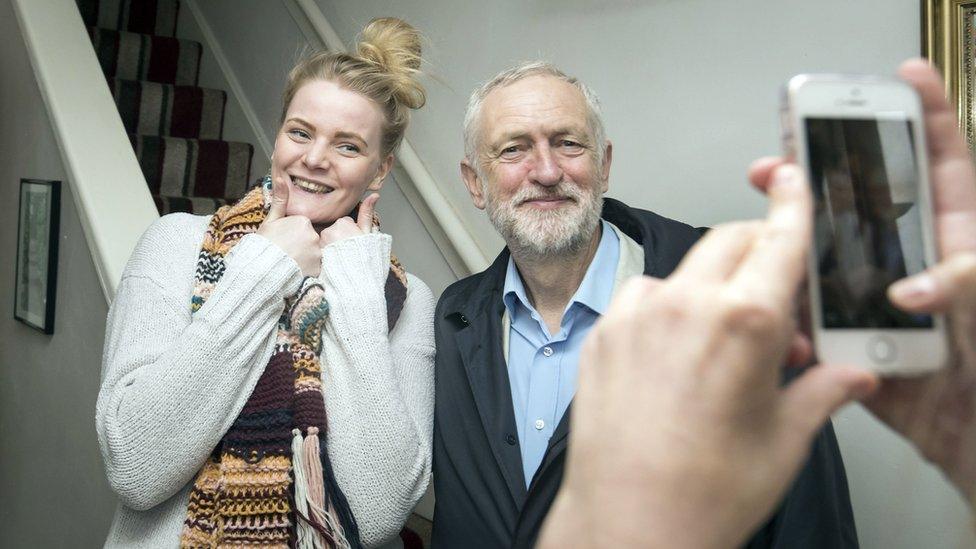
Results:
<point x="479" y="343"/>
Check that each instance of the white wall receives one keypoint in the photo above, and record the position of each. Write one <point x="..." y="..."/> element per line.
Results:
<point x="690" y="92"/>
<point x="51" y="479"/>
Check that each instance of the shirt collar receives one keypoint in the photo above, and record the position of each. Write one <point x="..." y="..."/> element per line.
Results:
<point x="596" y="288"/>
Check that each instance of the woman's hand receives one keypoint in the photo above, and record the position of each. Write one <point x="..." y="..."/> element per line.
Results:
<point x="680" y="413"/>
<point x="936" y="412"/>
<point x="293" y="234"/>
<point x="345" y="227"/>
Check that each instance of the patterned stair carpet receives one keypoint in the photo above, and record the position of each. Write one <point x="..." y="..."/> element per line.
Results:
<point x="175" y="126"/>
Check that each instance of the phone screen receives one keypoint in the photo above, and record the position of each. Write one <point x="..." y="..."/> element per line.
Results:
<point x="867" y="231"/>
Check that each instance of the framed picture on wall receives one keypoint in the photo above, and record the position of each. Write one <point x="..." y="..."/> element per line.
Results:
<point x="37" y="253"/>
<point x="949" y="41"/>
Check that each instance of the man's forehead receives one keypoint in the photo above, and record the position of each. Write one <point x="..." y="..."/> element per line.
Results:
<point x="539" y="102"/>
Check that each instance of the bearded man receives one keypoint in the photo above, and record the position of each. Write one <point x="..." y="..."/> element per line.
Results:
<point x="508" y="339"/>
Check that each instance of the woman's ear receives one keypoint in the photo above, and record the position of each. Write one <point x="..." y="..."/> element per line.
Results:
<point x="381" y="174"/>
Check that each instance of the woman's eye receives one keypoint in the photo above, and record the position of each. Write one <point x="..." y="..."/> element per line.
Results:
<point x="301" y="134"/>
<point x="347" y="147"/>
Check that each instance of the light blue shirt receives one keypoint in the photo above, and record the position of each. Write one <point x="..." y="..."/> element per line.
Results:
<point x="542" y="368"/>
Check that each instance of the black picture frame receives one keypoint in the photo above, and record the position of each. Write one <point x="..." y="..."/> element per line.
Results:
<point x="38" y="227"/>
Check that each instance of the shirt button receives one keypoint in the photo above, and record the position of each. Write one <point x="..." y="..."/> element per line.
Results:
<point x="539" y="424"/>
<point x="547" y="351"/>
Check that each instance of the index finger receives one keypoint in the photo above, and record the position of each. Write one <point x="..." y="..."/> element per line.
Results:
<point x="953" y="176"/>
<point x="760" y="172"/>
<point x="774" y="268"/>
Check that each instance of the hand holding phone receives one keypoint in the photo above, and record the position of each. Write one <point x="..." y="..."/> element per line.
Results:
<point x="935" y="411"/>
<point x="862" y="143"/>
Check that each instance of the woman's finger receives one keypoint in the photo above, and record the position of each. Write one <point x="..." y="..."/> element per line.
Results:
<point x="949" y="283"/>
<point x="801" y="351"/>
<point x="761" y="171"/>
<point x="773" y="269"/>
<point x="820" y="391"/>
<point x="951" y="167"/>
<point x="715" y="257"/>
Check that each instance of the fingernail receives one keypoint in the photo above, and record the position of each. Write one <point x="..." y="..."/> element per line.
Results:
<point x="914" y="291"/>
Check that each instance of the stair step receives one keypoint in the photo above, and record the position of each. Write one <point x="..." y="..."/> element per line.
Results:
<point x="198" y="205"/>
<point x="151" y="108"/>
<point x="143" y="16"/>
<point x="193" y="167"/>
<point x="134" y="56"/>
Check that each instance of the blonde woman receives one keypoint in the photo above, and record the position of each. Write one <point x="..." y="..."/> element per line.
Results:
<point x="267" y="377"/>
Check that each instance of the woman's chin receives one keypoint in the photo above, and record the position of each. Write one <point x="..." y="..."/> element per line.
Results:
<point x="320" y="214"/>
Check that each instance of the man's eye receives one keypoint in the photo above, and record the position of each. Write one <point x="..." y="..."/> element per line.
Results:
<point x="510" y="152"/>
<point x="569" y="144"/>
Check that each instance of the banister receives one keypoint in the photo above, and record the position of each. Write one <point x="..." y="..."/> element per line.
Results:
<point x="109" y="189"/>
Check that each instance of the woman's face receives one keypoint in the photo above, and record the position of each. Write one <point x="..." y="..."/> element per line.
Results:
<point x="328" y="149"/>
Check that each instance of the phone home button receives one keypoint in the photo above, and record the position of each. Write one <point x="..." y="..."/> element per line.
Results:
<point x="882" y="349"/>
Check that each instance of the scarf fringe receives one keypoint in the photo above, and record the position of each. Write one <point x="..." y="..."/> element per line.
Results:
<point x="318" y="526"/>
<point x="307" y="536"/>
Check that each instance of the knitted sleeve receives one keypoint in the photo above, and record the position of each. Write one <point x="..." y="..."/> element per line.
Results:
<point x="379" y="386"/>
<point x="172" y="384"/>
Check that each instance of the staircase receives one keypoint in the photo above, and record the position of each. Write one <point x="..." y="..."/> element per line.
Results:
<point x="175" y="126"/>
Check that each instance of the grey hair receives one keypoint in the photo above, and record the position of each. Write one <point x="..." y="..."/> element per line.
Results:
<point x="472" y="114"/>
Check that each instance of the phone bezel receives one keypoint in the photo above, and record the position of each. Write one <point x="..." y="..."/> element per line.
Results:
<point x="916" y="350"/>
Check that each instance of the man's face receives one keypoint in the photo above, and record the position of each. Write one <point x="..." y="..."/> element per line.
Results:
<point x="538" y="175"/>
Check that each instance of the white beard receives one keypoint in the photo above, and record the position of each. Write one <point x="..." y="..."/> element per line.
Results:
<point x="540" y="233"/>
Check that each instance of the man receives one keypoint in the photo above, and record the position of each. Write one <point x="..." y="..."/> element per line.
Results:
<point x="509" y="338"/>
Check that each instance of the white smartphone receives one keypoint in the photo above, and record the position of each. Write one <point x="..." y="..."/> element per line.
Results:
<point x="861" y="140"/>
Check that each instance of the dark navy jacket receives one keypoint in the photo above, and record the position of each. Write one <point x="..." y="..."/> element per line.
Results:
<point x="481" y="499"/>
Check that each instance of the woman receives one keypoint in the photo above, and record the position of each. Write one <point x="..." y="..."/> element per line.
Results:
<point x="292" y="401"/>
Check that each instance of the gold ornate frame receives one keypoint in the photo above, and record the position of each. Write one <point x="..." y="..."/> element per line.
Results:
<point x="949" y="41"/>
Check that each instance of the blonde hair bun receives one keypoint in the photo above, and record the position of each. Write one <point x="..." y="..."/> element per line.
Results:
<point x="393" y="45"/>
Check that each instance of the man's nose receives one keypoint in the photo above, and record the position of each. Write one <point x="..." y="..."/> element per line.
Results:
<point x="316" y="156"/>
<point x="545" y="167"/>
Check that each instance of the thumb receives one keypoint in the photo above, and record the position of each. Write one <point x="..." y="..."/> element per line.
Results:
<point x="820" y="391"/>
<point x="365" y="218"/>
<point x="951" y="282"/>
<point x="279" y="200"/>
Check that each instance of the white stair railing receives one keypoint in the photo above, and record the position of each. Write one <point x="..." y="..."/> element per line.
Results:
<point x="109" y="189"/>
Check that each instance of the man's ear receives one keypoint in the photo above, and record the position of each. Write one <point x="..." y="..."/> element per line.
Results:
<point x="605" y="168"/>
<point x="473" y="183"/>
<point x="381" y="174"/>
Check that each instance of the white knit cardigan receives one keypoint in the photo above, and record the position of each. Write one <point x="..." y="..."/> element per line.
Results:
<point x="172" y="383"/>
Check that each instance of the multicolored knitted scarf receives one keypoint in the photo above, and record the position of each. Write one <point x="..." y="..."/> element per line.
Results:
<point x="269" y="482"/>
